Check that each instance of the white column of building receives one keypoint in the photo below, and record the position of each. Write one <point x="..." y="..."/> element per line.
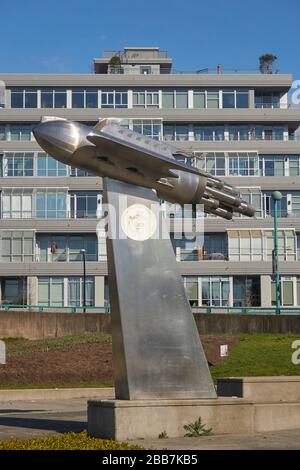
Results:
<point x="32" y="290"/>
<point x="251" y="98"/>
<point x="130" y="99"/>
<point x="99" y="291"/>
<point x="265" y="290"/>
<point x="190" y="99"/>
<point x="230" y="298"/>
<point x="283" y="102"/>
<point x="69" y="99"/>
<point x="7" y="98"/>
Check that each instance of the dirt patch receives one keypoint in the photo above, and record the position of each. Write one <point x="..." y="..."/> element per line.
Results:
<point x="76" y="362"/>
<point x="84" y="363"/>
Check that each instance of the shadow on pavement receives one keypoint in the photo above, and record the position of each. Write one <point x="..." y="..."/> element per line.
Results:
<point x="57" y="425"/>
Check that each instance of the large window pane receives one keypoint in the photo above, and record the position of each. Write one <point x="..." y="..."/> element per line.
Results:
<point x="181" y="99"/>
<point x="199" y="99"/>
<point x="168" y="99"/>
<point x="47" y="98"/>
<point x="17" y="99"/>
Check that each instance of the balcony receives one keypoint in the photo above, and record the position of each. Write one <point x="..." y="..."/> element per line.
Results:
<point x="198" y="255"/>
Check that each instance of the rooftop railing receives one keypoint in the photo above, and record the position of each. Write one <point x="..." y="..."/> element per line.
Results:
<point x="137" y="54"/>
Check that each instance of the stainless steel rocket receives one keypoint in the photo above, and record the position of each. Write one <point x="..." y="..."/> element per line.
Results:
<point x="111" y="150"/>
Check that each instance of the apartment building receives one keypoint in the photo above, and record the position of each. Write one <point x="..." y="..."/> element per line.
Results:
<point x="237" y="126"/>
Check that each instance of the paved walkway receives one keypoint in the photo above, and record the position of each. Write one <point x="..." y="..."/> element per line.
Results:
<point x="25" y="419"/>
<point x="281" y="440"/>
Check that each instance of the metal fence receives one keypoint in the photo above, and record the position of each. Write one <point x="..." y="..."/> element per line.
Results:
<point x="208" y="309"/>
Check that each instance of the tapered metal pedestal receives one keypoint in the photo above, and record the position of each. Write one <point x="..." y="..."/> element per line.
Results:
<point x="157" y="351"/>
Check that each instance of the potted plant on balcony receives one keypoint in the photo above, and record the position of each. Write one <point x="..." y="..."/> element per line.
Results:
<point x="266" y="62"/>
<point x="115" y="64"/>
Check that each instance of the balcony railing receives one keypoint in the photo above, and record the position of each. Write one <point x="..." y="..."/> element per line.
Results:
<point x="198" y="255"/>
<point x="139" y="54"/>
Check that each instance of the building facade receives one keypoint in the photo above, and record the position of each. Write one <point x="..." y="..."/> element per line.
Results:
<point x="237" y="126"/>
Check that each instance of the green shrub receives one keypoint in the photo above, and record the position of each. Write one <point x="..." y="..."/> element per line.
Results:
<point x="67" y="441"/>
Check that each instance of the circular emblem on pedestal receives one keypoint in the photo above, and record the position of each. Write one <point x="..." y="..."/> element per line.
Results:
<point x="138" y="222"/>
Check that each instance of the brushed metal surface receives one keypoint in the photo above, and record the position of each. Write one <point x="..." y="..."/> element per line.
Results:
<point x="110" y="150"/>
<point x="157" y="351"/>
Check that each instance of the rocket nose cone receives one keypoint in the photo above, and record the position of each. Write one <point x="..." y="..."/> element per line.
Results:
<point x="55" y="137"/>
<point x="40" y="135"/>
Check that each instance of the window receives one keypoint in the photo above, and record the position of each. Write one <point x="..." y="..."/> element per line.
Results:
<point x="51" y="291"/>
<point x="85" y="98"/>
<point x="16" y="203"/>
<point x="77" y="172"/>
<point x="84" y="204"/>
<point x="51" y="204"/>
<point x="48" y="166"/>
<point x="235" y="99"/>
<point x="272" y="165"/>
<point x="14" y="290"/>
<point x="215" y="291"/>
<point x="199" y="99"/>
<point x="24" y="98"/>
<point x="267" y="100"/>
<point x="267" y="133"/>
<point x="176" y="132"/>
<point x="212" y="99"/>
<point x="149" y="127"/>
<point x="215" y="243"/>
<point x="212" y="162"/>
<point x="208" y="132"/>
<point x="146" y="98"/>
<point x="114" y="99"/>
<point x="206" y="98"/>
<point x="145" y="70"/>
<point x="243" y="164"/>
<point x="191" y="289"/>
<point x="246" y="291"/>
<point x="177" y="98"/>
<point x="269" y="204"/>
<point x="18" y="164"/>
<point x="287" y="291"/>
<point x="252" y="196"/>
<point x="239" y="132"/>
<point x="21" y="132"/>
<point x="54" y="98"/>
<point x="296" y="203"/>
<point x="293" y="165"/>
<point x="2" y="132"/>
<point x="17" y="246"/>
<point x="75" y="291"/>
<point x="66" y="248"/>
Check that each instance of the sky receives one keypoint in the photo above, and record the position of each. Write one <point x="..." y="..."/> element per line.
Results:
<point x="63" y="36"/>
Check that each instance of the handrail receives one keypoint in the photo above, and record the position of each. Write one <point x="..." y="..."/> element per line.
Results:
<point x="44" y="308"/>
<point x="209" y="309"/>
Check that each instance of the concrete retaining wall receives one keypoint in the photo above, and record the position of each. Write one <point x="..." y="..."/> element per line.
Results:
<point x="39" y="325"/>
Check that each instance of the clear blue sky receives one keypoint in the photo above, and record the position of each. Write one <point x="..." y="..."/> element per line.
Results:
<point x="65" y="35"/>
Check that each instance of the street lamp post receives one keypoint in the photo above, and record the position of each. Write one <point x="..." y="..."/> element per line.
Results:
<point x="84" y="279"/>
<point x="277" y="196"/>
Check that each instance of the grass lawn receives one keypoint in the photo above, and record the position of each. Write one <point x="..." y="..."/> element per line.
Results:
<point x="86" y="360"/>
<point x="67" y="441"/>
<point x="259" y="354"/>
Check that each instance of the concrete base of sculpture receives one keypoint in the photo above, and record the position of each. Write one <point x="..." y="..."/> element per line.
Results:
<point x="258" y="389"/>
<point x="135" y="419"/>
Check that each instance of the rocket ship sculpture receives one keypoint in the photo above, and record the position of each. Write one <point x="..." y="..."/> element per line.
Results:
<point x="157" y="352"/>
<point x="111" y="150"/>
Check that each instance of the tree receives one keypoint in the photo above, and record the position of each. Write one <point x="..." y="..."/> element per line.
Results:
<point x="266" y="62"/>
<point x="115" y="64"/>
